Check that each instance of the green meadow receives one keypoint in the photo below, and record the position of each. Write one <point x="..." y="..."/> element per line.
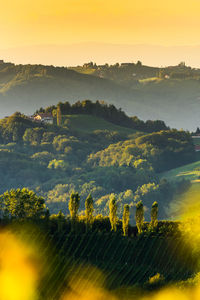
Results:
<point x="90" y="123"/>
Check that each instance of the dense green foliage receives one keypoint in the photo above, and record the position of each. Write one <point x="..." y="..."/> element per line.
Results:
<point x="110" y="159"/>
<point x="21" y="204"/>
<point x="161" y="150"/>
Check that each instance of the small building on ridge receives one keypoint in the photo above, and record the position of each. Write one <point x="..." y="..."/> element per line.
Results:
<point x="44" y="118"/>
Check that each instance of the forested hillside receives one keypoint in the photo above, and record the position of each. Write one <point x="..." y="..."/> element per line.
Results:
<point x="170" y="94"/>
<point x="88" y="154"/>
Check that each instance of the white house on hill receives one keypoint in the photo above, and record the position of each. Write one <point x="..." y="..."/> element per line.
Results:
<point x="44" y="118"/>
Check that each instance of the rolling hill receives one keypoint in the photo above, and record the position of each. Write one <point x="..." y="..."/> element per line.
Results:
<point x="174" y="100"/>
<point x="89" y="154"/>
<point x="26" y="87"/>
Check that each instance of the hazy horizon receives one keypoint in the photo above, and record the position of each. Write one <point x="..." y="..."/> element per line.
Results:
<point x="132" y="29"/>
<point x="111" y="53"/>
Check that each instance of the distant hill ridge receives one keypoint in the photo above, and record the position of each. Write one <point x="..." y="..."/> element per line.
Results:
<point x="170" y="94"/>
<point x="25" y="87"/>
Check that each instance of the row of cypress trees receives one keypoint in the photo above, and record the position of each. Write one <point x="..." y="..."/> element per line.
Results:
<point x="89" y="208"/>
<point x="139" y="216"/>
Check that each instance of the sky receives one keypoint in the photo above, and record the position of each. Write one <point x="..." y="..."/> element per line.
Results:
<point x="63" y="22"/>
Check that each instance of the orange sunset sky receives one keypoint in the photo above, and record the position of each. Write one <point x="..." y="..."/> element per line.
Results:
<point x="62" y="22"/>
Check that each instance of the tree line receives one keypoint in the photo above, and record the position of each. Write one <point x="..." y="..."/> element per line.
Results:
<point x="103" y="110"/>
<point x="22" y="204"/>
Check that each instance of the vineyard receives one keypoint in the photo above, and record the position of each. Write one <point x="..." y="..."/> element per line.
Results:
<point x="124" y="262"/>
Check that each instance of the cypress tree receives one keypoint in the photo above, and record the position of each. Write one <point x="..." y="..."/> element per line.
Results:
<point x="59" y="116"/>
<point x="139" y="216"/>
<point x="47" y="215"/>
<point x="154" y="215"/>
<point x="74" y="203"/>
<point x="125" y="219"/>
<point x="89" y="208"/>
<point x="61" y="221"/>
<point x="113" y="213"/>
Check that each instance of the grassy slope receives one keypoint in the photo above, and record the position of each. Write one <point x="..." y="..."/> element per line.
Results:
<point x="89" y="123"/>
<point x="186" y="204"/>
<point x="190" y="171"/>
